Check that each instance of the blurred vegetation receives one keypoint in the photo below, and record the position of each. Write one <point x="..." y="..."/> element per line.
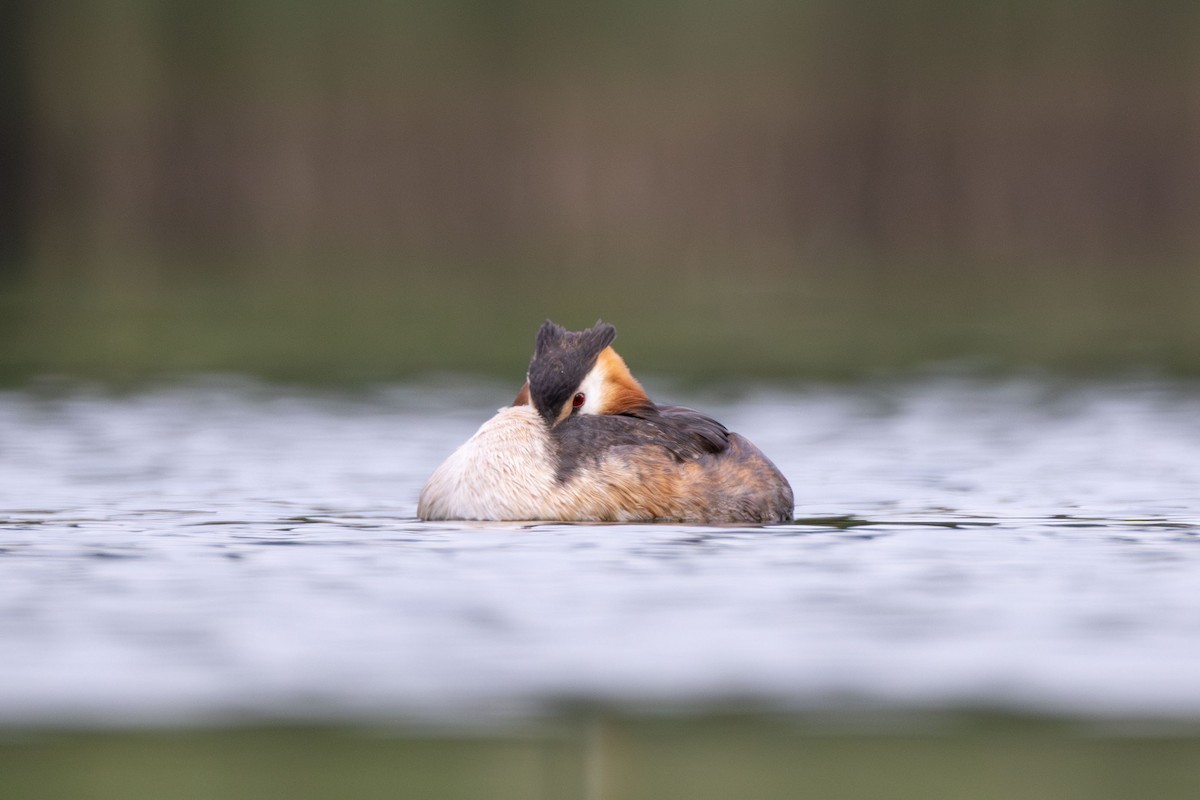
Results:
<point x="366" y="190"/>
<point x="618" y="759"/>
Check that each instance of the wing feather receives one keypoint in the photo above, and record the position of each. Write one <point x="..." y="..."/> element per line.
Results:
<point x="589" y="439"/>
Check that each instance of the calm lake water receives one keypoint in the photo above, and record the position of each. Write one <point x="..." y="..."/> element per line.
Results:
<point x="221" y="550"/>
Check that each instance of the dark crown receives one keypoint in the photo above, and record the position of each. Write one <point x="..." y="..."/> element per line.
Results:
<point x="561" y="359"/>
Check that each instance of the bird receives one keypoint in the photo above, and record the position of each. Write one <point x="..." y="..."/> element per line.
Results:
<point x="583" y="442"/>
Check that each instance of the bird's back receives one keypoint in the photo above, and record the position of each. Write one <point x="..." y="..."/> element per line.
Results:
<point x="674" y="465"/>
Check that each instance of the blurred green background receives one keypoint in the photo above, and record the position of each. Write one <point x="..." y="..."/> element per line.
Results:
<point x="364" y="190"/>
<point x="708" y="758"/>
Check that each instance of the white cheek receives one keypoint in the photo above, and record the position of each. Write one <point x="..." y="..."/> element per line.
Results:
<point x="593" y="392"/>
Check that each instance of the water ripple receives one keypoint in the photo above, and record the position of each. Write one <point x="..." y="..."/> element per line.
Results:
<point x="203" y="551"/>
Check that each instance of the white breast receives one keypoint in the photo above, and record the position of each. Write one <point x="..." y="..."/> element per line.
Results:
<point x="504" y="472"/>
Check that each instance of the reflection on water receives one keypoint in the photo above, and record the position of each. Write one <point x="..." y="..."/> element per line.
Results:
<point x="218" y="550"/>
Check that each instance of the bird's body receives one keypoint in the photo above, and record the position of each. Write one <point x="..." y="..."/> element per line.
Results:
<point x="584" y="442"/>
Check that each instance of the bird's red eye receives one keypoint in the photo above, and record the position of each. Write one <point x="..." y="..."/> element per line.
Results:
<point x="577" y="401"/>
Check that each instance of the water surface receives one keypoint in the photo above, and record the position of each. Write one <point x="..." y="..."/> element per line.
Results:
<point x="227" y="550"/>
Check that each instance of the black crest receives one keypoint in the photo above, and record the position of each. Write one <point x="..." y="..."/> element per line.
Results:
<point x="561" y="359"/>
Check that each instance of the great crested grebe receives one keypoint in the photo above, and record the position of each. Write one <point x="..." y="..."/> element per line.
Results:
<point x="583" y="441"/>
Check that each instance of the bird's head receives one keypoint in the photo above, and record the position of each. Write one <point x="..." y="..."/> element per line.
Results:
<point x="578" y="372"/>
